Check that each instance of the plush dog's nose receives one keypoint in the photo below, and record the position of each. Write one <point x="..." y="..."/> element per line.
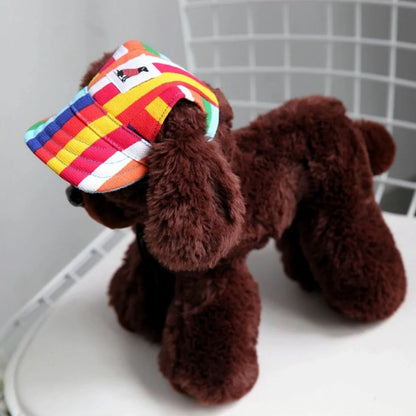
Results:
<point x="74" y="196"/>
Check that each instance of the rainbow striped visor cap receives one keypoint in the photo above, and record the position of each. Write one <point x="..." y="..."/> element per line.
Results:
<point x="100" y="141"/>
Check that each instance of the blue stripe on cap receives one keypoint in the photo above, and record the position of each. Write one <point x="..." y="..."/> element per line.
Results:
<point x="36" y="138"/>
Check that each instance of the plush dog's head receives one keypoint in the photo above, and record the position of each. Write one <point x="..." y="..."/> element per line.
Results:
<point x="189" y="201"/>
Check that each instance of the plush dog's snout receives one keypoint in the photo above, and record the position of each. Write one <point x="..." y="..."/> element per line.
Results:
<point x="74" y="196"/>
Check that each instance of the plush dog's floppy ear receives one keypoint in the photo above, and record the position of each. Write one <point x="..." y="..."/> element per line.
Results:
<point x="380" y="145"/>
<point x="195" y="208"/>
<point x="94" y="67"/>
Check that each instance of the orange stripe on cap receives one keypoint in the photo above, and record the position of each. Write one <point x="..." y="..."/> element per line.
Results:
<point x="129" y="174"/>
<point x="197" y="98"/>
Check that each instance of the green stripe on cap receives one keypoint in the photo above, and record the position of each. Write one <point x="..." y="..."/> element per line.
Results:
<point x="208" y="110"/>
<point x="36" y="125"/>
<point x="150" y="49"/>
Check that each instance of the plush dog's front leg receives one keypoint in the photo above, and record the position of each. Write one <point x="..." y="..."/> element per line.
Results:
<point x="141" y="291"/>
<point x="209" y="341"/>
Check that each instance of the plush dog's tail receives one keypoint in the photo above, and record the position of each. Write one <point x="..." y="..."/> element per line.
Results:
<point x="380" y="145"/>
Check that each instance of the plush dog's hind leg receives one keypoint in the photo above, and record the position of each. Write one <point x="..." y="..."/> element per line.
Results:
<point x="295" y="265"/>
<point x="354" y="259"/>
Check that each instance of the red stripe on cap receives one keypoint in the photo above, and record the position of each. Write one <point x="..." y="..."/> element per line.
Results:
<point x="106" y="93"/>
<point x="99" y="152"/>
<point x="169" y="98"/>
<point x="89" y="160"/>
<point x="76" y="123"/>
<point x="84" y="163"/>
<point x="73" y="176"/>
<point x="137" y="116"/>
<point x="121" y="138"/>
<point x="91" y="113"/>
<point x="148" y="126"/>
<point x="107" y="64"/>
<point x="128" y="116"/>
<point x="43" y="154"/>
<point x="168" y="68"/>
<point x="71" y="128"/>
<point x="52" y="148"/>
<point x="142" y="121"/>
<point x="171" y="68"/>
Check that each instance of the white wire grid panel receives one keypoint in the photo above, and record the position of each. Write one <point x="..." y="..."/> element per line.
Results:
<point x="264" y="52"/>
<point x="35" y="309"/>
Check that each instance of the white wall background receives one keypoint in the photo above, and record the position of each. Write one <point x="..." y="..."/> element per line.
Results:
<point x="46" y="46"/>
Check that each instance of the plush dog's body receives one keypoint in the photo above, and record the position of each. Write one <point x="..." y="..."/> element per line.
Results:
<point x="301" y="174"/>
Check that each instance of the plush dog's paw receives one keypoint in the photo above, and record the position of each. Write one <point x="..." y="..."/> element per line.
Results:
<point x="216" y="385"/>
<point x="369" y="284"/>
<point x="371" y="298"/>
<point x="209" y="341"/>
<point x="215" y="373"/>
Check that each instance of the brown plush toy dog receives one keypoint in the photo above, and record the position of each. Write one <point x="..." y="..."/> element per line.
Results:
<point x="300" y="174"/>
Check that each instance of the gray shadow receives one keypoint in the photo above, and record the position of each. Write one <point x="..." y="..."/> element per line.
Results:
<point x="142" y="357"/>
<point x="290" y="308"/>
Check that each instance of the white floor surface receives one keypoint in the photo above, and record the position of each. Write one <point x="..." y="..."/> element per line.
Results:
<point x="79" y="362"/>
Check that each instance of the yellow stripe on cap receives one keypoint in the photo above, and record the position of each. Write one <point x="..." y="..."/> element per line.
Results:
<point x="157" y="108"/>
<point x="122" y="101"/>
<point x="102" y="126"/>
<point x="83" y="140"/>
<point x="56" y="165"/>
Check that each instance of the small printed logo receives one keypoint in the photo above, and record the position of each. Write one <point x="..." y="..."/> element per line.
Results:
<point x="124" y="74"/>
<point x="134" y="72"/>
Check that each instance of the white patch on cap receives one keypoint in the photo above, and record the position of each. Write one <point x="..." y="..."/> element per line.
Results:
<point x="133" y="73"/>
<point x="105" y="171"/>
<point x="138" y="150"/>
<point x="99" y="85"/>
<point x="113" y="165"/>
<point x="187" y="93"/>
<point x="121" y="51"/>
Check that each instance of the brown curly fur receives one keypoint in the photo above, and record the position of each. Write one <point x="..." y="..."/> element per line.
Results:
<point x="301" y="174"/>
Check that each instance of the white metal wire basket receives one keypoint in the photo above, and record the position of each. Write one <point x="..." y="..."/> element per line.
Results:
<point x="264" y="52"/>
<point x="36" y="308"/>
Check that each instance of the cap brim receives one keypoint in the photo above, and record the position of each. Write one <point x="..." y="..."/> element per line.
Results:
<point x="78" y="145"/>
